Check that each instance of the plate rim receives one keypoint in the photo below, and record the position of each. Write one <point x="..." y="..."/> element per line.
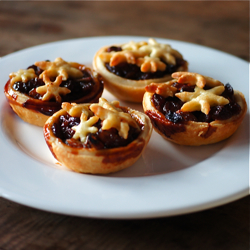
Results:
<point x="228" y="199"/>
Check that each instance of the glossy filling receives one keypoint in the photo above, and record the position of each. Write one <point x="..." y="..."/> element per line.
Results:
<point x="170" y="107"/>
<point x="82" y="89"/>
<point x="133" y="72"/>
<point x="78" y="87"/>
<point x="102" y="139"/>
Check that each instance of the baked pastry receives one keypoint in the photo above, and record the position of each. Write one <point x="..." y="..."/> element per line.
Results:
<point x="38" y="91"/>
<point x="97" y="138"/>
<point x="193" y="109"/>
<point x="129" y="67"/>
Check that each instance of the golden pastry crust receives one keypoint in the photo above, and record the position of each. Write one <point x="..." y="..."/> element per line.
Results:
<point x="37" y="111"/>
<point x="91" y="160"/>
<point x="127" y="89"/>
<point x="17" y="100"/>
<point x="191" y="132"/>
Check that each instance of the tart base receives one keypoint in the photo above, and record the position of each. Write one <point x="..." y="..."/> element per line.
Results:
<point x="194" y="133"/>
<point x="18" y="102"/>
<point x="92" y="161"/>
<point x="30" y="116"/>
<point x="122" y="88"/>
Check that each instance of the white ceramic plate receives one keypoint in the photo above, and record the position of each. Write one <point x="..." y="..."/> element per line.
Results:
<point x="167" y="180"/>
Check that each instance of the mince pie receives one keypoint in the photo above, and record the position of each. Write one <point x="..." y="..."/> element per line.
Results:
<point x="193" y="109"/>
<point x="37" y="92"/>
<point x="97" y="138"/>
<point x="128" y="68"/>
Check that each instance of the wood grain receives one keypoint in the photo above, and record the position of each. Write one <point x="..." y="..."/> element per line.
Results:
<point x="225" y="227"/>
<point x="223" y="25"/>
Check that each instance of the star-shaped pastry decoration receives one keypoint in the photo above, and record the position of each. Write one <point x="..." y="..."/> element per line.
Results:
<point x="114" y="58"/>
<point x="133" y="45"/>
<point x="150" y="64"/>
<point x="196" y="79"/>
<point x="85" y="127"/>
<point x="211" y="82"/>
<point x="190" y="78"/>
<point x="161" y="51"/>
<point x="76" y="110"/>
<point x="23" y="75"/>
<point x="59" y="67"/>
<point x="106" y="56"/>
<point x="202" y="100"/>
<point x="113" y="118"/>
<point x="148" y="56"/>
<point x="167" y="47"/>
<point x="163" y="89"/>
<point x="125" y="56"/>
<point x="51" y="89"/>
<point x="114" y="105"/>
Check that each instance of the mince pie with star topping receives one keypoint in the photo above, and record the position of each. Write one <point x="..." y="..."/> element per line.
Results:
<point x="193" y="109"/>
<point x="37" y="92"/>
<point x="129" y="67"/>
<point x="97" y="138"/>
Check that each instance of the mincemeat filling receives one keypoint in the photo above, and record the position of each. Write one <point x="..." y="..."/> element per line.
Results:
<point x="169" y="107"/>
<point x="133" y="72"/>
<point x="103" y="139"/>
<point x="78" y="87"/>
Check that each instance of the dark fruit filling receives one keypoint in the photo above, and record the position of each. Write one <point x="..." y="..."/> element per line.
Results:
<point x="103" y="139"/>
<point x="28" y="87"/>
<point x="133" y="72"/>
<point x="169" y="107"/>
<point x="79" y="87"/>
<point x="114" y="48"/>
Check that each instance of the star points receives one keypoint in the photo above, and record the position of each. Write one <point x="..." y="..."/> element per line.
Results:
<point x="202" y="100"/>
<point x="51" y="89"/>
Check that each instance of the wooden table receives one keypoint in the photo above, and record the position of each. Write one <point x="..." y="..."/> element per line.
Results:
<point x="218" y="24"/>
